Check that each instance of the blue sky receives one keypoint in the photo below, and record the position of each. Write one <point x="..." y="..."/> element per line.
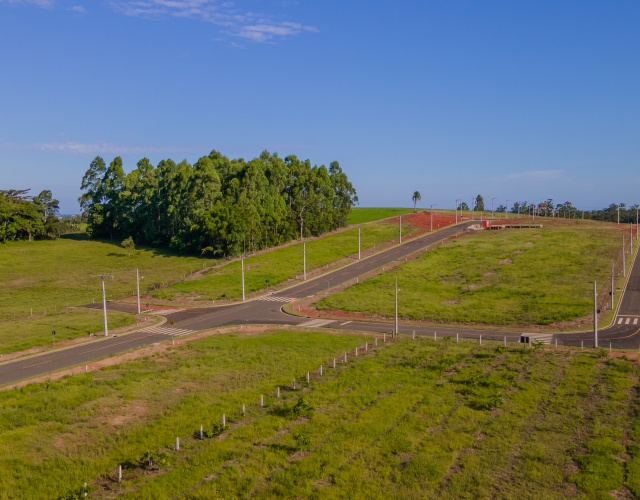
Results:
<point x="513" y="100"/>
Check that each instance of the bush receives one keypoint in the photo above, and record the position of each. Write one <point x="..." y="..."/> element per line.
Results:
<point x="302" y="408"/>
<point x="215" y="430"/>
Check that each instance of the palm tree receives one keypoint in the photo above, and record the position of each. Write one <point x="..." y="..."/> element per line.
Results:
<point x="415" y="198"/>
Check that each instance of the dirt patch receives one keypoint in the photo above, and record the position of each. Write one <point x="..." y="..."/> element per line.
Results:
<point x="516" y="252"/>
<point x="130" y="412"/>
<point x="298" y="455"/>
<point x="450" y="302"/>
<point x="422" y="219"/>
<point x="473" y="286"/>
<point x="505" y="261"/>
<point x="490" y="273"/>
<point x="529" y="243"/>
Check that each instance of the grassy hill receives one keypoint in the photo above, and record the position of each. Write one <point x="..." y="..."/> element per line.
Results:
<point x="412" y="419"/>
<point x="512" y="277"/>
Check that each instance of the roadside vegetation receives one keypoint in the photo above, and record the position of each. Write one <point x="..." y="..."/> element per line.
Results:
<point x="20" y="335"/>
<point x="280" y="265"/>
<point x="511" y="277"/>
<point x="360" y="215"/>
<point x="410" y="419"/>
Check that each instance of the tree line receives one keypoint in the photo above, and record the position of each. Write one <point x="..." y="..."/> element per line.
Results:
<point x="217" y="206"/>
<point x="26" y="217"/>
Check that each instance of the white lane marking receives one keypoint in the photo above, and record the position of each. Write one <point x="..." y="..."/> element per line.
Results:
<point x="316" y="322"/>
<point x="272" y="298"/>
<point x="620" y="321"/>
<point x="627" y="322"/>
<point x="176" y="332"/>
<point x="345" y="323"/>
<point x="164" y="312"/>
<point x="545" y="338"/>
<point x="635" y="321"/>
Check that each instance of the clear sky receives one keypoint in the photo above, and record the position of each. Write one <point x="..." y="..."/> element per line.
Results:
<point x="513" y="100"/>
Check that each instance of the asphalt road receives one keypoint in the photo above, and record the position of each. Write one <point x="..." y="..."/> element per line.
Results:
<point x="267" y="310"/>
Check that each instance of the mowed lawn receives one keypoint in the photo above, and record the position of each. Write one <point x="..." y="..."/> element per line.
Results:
<point x="510" y="277"/>
<point x="281" y="264"/>
<point x="20" y="335"/>
<point x="411" y="419"/>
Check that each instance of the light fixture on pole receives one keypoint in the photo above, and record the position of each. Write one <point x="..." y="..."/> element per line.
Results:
<point x="104" y="302"/>
<point x="138" y="278"/>
<point x="431" y="212"/>
<point x="358" y="242"/>
<point x="396" y="330"/>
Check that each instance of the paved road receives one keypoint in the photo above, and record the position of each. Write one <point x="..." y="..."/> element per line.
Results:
<point x="267" y="310"/>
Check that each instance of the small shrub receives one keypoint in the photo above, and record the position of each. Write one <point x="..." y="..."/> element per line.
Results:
<point x="501" y="349"/>
<point x="214" y="431"/>
<point x="302" y="408"/>
<point x="79" y="493"/>
<point x="303" y="440"/>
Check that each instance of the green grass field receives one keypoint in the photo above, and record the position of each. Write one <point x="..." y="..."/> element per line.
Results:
<point x="279" y="265"/>
<point x="53" y="274"/>
<point x="511" y="277"/>
<point x="23" y="334"/>
<point x="412" y="419"/>
<point x="360" y="215"/>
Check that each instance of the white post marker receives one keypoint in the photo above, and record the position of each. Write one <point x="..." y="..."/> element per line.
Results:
<point x="457" y="338"/>
<point x="224" y="420"/>
<point x="582" y="345"/>
<point x="356" y="352"/>
<point x="384" y="337"/>
<point x="201" y="433"/>
<point x="334" y="362"/>
<point x="375" y="341"/>
<point x="366" y="346"/>
<point x="321" y="370"/>
<point x="243" y="409"/>
<point x="609" y="346"/>
<point x="435" y="336"/>
<point x="505" y="341"/>
<point x="119" y="473"/>
<point x="308" y="378"/>
<point x="480" y="339"/>
<point x="345" y="357"/>
<point x="261" y="400"/>
<point x="304" y="259"/>
<point x="293" y="384"/>
<point x="400" y="228"/>
<point x="413" y="335"/>
<point x="556" y="343"/>
<point x="177" y="444"/>
<point x="278" y="392"/>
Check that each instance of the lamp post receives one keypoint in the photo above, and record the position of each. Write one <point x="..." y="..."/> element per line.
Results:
<point x="457" y="210"/>
<point x="396" y="330"/>
<point x="138" y="278"/>
<point x="400" y="228"/>
<point x="595" y="315"/>
<point x="304" y="260"/>
<point x="104" y="302"/>
<point x="359" y="242"/>
<point x="506" y="210"/>
<point x="242" y="267"/>
<point x="492" y="212"/>
<point x="431" y="212"/>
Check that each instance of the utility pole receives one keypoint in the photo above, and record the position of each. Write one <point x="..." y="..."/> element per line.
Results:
<point x="138" y="289"/>
<point x="104" y="302"/>
<point x="492" y="212"/>
<point x="304" y="259"/>
<point x="624" y="266"/>
<point x="358" y="242"/>
<point x="595" y="315"/>
<point x="242" y="267"/>
<point x="401" y="228"/>
<point x="506" y="210"/>
<point x="396" y="330"/>
<point x="431" y="212"/>
<point x="618" y="215"/>
<point x="612" y="282"/>
<point x="457" y="210"/>
<point x="473" y="208"/>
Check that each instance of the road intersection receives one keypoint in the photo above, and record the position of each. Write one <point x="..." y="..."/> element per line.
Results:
<point x="623" y="333"/>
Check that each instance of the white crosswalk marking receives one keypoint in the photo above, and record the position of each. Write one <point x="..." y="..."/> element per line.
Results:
<point x="273" y="298"/>
<point x="316" y="322"/>
<point x="627" y="322"/>
<point x="164" y="312"/>
<point x="620" y="321"/>
<point x="635" y="321"/>
<point x="545" y="338"/>
<point x="164" y="330"/>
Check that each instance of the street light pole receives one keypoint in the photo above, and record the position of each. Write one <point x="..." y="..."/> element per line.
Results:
<point x="104" y="302"/>
<point x="396" y="330"/>
<point x="431" y="212"/>
<point x="304" y="259"/>
<point x="138" y="289"/>
<point x="595" y="314"/>
<point x="506" y="210"/>
<point x="242" y="267"/>
<point x="613" y="288"/>
<point x="400" y="228"/>
<point x="492" y="212"/>
<point x="457" y="210"/>
<point x="358" y="242"/>
<point x="624" y="265"/>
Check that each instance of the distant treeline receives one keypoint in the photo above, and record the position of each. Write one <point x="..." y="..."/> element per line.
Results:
<point x="217" y="206"/>
<point x="25" y="217"/>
